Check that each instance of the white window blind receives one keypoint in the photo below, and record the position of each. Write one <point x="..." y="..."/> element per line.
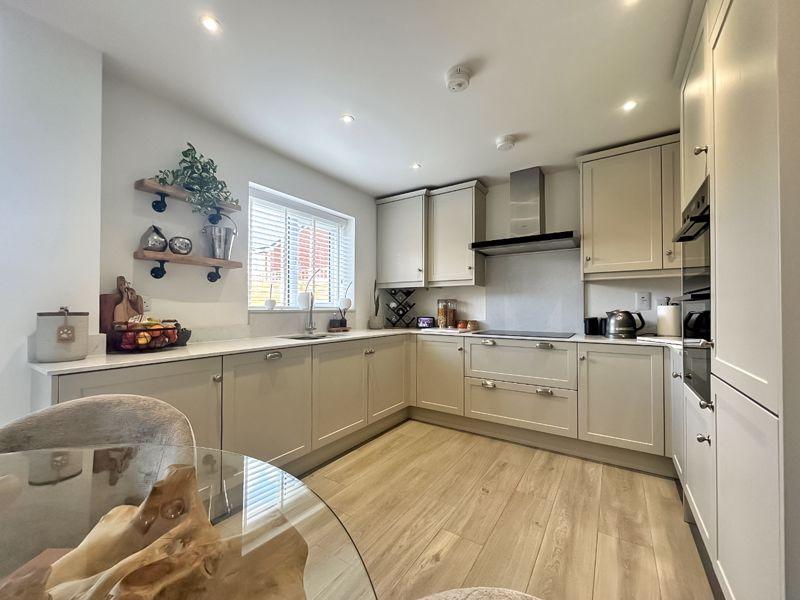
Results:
<point x="266" y="489"/>
<point x="289" y="240"/>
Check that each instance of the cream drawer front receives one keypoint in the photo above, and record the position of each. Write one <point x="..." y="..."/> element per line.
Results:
<point x="551" y="410"/>
<point x="551" y="364"/>
<point x="700" y="474"/>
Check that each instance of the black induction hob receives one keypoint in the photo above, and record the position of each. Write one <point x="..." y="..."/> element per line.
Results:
<point x="543" y="334"/>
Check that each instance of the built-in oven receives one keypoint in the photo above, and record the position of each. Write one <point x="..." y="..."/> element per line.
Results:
<point x="695" y="237"/>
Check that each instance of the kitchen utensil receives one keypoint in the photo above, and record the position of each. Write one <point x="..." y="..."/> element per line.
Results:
<point x="668" y="319"/>
<point x="132" y="304"/>
<point x="153" y="239"/>
<point x="180" y="245"/>
<point x="220" y="238"/>
<point x="62" y="335"/>
<point x="591" y="326"/>
<point x="622" y="324"/>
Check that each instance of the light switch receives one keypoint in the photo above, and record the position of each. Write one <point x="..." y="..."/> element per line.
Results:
<point x="644" y="301"/>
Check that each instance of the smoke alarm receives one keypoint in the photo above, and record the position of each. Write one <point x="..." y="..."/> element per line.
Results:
<point x="457" y="79"/>
<point x="505" y="142"/>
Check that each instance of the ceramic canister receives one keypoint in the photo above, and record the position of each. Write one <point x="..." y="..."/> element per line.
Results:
<point x="62" y="335"/>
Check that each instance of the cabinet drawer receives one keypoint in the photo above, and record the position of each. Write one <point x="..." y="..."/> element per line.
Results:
<point x="551" y="364"/>
<point x="700" y="476"/>
<point x="551" y="410"/>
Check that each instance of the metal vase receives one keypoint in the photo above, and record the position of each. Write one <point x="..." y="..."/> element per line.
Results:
<point x="220" y="240"/>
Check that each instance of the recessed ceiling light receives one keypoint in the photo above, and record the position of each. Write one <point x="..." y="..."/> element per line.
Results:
<point x="210" y="23"/>
<point x="416" y="166"/>
<point x="630" y="105"/>
<point x="347" y="118"/>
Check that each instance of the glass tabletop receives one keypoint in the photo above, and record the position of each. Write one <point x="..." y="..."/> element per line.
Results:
<point x="114" y="521"/>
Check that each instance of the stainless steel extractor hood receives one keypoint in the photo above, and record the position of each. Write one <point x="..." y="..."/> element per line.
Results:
<point x="527" y="220"/>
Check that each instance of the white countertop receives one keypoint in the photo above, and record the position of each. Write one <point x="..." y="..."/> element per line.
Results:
<point x="102" y="362"/>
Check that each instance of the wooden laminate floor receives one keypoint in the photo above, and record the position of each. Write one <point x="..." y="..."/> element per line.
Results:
<point x="432" y="509"/>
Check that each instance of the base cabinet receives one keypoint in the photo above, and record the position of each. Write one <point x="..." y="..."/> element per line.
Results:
<point x="267" y="404"/>
<point x="194" y="387"/>
<point x="440" y="373"/>
<point x="748" y="486"/>
<point x="551" y="410"/>
<point x="700" y="479"/>
<point x="677" y="411"/>
<point x="550" y="364"/>
<point x="339" y="384"/>
<point x="621" y="396"/>
<point x="386" y="376"/>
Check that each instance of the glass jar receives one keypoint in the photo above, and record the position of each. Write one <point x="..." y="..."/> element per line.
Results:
<point x="446" y="313"/>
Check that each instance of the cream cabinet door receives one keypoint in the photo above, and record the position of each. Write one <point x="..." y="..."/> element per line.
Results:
<point x="700" y="473"/>
<point x="544" y="363"/>
<point x="622" y="212"/>
<point x="621" y="396"/>
<point x="671" y="203"/>
<point x="452" y="227"/>
<point x="266" y="404"/>
<point x="695" y="119"/>
<point x="748" y="485"/>
<point x="386" y="374"/>
<point x="440" y="373"/>
<point x="339" y="390"/>
<point x="677" y="411"/>
<point x="745" y="204"/>
<point x="401" y="241"/>
<point x="194" y="387"/>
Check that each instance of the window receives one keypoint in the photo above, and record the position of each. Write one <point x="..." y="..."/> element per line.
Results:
<point x="290" y="240"/>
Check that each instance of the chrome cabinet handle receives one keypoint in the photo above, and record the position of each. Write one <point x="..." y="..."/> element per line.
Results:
<point x="469" y="268"/>
<point x="582" y="358"/>
<point x="420" y="269"/>
<point x="704" y="404"/>
<point x="588" y="258"/>
<point x="273" y="355"/>
<point x="489" y="343"/>
<point x="369" y="351"/>
<point x="544" y="346"/>
<point x="544" y="391"/>
<point x="703" y="438"/>
<point x="697" y="150"/>
<point x="217" y="378"/>
<point x="489" y="385"/>
<point x="676" y="375"/>
<point x="461" y="348"/>
<point x="668" y="252"/>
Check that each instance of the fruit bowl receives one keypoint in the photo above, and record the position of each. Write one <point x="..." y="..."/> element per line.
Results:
<point x="147" y="336"/>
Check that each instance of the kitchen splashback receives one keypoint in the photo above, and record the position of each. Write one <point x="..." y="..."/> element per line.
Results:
<point x="540" y="291"/>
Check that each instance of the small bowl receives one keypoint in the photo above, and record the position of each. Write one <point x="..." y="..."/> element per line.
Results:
<point x="180" y="245"/>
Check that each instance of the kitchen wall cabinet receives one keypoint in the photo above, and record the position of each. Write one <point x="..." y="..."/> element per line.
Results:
<point x="440" y="373"/>
<point x="745" y="203"/>
<point x="339" y="390"/>
<point x="551" y="364"/>
<point x="192" y="386"/>
<point x="671" y="204"/>
<point x="677" y="411"/>
<point x="696" y="118"/>
<point x="748" y="486"/>
<point x="267" y="404"/>
<point x="621" y="396"/>
<point x="456" y="218"/>
<point x="547" y="409"/>
<point x="386" y="376"/>
<point x="629" y="198"/>
<point x="700" y="473"/>
<point x="402" y="223"/>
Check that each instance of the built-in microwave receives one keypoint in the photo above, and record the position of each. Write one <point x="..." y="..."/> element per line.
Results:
<point x="695" y="237"/>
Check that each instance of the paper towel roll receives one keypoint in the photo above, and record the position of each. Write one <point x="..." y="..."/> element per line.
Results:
<point x="669" y="320"/>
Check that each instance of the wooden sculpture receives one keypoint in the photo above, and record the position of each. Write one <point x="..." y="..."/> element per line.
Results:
<point x="167" y="549"/>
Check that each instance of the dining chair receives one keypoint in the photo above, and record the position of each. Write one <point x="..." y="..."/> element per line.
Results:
<point x="97" y="420"/>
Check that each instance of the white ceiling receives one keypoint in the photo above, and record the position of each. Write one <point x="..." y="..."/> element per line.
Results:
<point x="553" y="72"/>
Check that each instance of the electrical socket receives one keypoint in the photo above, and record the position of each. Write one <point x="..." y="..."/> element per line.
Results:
<point x="644" y="301"/>
<point x="146" y="305"/>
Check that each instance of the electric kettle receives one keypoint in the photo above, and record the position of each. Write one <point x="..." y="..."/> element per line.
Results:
<point x="622" y="324"/>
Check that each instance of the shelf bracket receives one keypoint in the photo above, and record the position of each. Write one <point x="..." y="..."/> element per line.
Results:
<point x="214" y="275"/>
<point x="160" y="205"/>
<point x="159" y="271"/>
<point x="215" y="218"/>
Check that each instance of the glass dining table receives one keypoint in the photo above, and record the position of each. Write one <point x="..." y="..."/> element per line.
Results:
<point x="147" y="521"/>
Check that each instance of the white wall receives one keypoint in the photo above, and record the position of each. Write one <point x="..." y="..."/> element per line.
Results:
<point x="602" y="296"/>
<point x="143" y="133"/>
<point x="50" y="111"/>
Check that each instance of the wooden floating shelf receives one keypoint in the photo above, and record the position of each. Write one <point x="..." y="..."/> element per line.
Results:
<point x="183" y="259"/>
<point x="170" y="191"/>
